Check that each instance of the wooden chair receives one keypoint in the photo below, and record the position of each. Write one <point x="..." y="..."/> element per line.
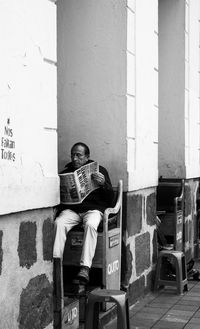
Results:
<point x="108" y="251"/>
<point x="107" y="259"/>
<point x="173" y="220"/>
<point x="170" y="202"/>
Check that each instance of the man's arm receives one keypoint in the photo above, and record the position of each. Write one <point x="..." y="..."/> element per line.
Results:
<point x="103" y="179"/>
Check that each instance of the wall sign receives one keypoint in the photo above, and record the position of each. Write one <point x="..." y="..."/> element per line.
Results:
<point x="113" y="267"/>
<point x="7" y="143"/>
<point x="114" y="240"/>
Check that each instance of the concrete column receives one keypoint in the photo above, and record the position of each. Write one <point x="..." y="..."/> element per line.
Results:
<point x="142" y="94"/>
<point x="107" y="87"/>
<point x="179" y="89"/>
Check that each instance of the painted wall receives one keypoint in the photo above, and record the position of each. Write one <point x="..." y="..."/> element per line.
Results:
<point x="28" y="118"/>
<point x="192" y="89"/>
<point x="104" y="74"/>
<point x="171" y="88"/>
<point x="191" y="224"/>
<point x="179" y="127"/>
<point x="142" y="94"/>
<point x="92" y="81"/>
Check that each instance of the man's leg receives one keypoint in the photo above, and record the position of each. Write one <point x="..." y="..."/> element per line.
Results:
<point x="63" y="224"/>
<point x="91" y="220"/>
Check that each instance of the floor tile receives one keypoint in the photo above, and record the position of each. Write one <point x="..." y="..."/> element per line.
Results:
<point x="175" y="318"/>
<point x="181" y="313"/>
<point x="189" y="302"/>
<point x="158" y="305"/>
<point x="155" y="310"/>
<point x="197" y="314"/>
<point x="195" y="320"/>
<point x="142" y="322"/>
<point x="150" y="316"/>
<point x="193" y="293"/>
<point x="162" y="324"/>
<point x="192" y="308"/>
<point x="137" y="327"/>
<point x="191" y="298"/>
<point x="191" y="326"/>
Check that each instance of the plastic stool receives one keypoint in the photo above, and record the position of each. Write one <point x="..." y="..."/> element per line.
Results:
<point x="104" y="295"/>
<point x="180" y="280"/>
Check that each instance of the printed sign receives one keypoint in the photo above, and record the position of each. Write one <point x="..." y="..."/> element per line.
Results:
<point x="8" y="143"/>
<point x="179" y="230"/>
<point x="113" y="267"/>
<point x="71" y="315"/>
<point x="114" y="240"/>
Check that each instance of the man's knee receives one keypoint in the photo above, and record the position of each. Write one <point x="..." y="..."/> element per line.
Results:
<point x="90" y="224"/>
<point x="60" y="220"/>
<point x="93" y="219"/>
<point x="57" y="224"/>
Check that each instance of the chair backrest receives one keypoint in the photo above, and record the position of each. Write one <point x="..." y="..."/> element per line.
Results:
<point x="112" y="243"/>
<point x="116" y="210"/>
<point x="179" y="213"/>
<point x="170" y="200"/>
<point x="167" y="190"/>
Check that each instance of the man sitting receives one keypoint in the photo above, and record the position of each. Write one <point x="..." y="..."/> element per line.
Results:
<point x="90" y="211"/>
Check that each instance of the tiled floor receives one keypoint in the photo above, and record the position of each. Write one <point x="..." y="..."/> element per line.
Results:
<point x="166" y="310"/>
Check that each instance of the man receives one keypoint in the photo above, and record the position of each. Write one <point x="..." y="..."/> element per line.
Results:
<point x="90" y="211"/>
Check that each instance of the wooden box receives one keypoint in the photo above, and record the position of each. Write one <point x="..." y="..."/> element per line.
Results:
<point x="70" y="313"/>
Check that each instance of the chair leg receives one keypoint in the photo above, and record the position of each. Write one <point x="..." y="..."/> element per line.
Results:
<point x="178" y="266"/>
<point x="157" y="275"/>
<point x="121" y="316"/>
<point x="92" y="315"/>
<point x="122" y="313"/>
<point x="127" y="314"/>
<point x="181" y="274"/>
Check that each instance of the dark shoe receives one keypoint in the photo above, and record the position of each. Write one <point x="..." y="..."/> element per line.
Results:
<point x="81" y="289"/>
<point x="83" y="274"/>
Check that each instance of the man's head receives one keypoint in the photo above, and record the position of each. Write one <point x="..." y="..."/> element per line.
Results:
<point x="80" y="154"/>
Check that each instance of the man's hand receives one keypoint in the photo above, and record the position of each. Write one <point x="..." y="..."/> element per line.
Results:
<point x="99" y="178"/>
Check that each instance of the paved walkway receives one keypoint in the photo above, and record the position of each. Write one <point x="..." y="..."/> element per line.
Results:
<point x="166" y="310"/>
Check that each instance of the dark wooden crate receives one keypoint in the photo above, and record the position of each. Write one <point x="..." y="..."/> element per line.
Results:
<point x="70" y="313"/>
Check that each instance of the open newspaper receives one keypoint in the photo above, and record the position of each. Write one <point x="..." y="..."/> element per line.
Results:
<point x="75" y="186"/>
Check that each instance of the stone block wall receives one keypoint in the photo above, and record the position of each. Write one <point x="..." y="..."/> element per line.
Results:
<point x="139" y="247"/>
<point x="191" y="219"/>
<point x="28" y="161"/>
<point x="26" y="299"/>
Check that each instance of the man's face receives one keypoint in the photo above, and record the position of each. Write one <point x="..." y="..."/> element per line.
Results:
<point x="78" y="156"/>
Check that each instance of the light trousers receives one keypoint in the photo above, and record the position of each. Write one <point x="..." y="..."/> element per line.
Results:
<point x="66" y="221"/>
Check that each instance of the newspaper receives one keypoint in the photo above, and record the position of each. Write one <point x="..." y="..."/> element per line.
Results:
<point x="75" y="186"/>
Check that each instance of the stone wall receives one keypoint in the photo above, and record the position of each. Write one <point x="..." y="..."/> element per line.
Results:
<point x="139" y="248"/>
<point x="28" y="161"/>
<point x="190" y="219"/>
<point x="26" y="300"/>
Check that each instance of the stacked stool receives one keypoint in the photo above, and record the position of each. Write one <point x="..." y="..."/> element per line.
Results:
<point x="102" y="296"/>
<point x="171" y="193"/>
<point x="177" y="258"/>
